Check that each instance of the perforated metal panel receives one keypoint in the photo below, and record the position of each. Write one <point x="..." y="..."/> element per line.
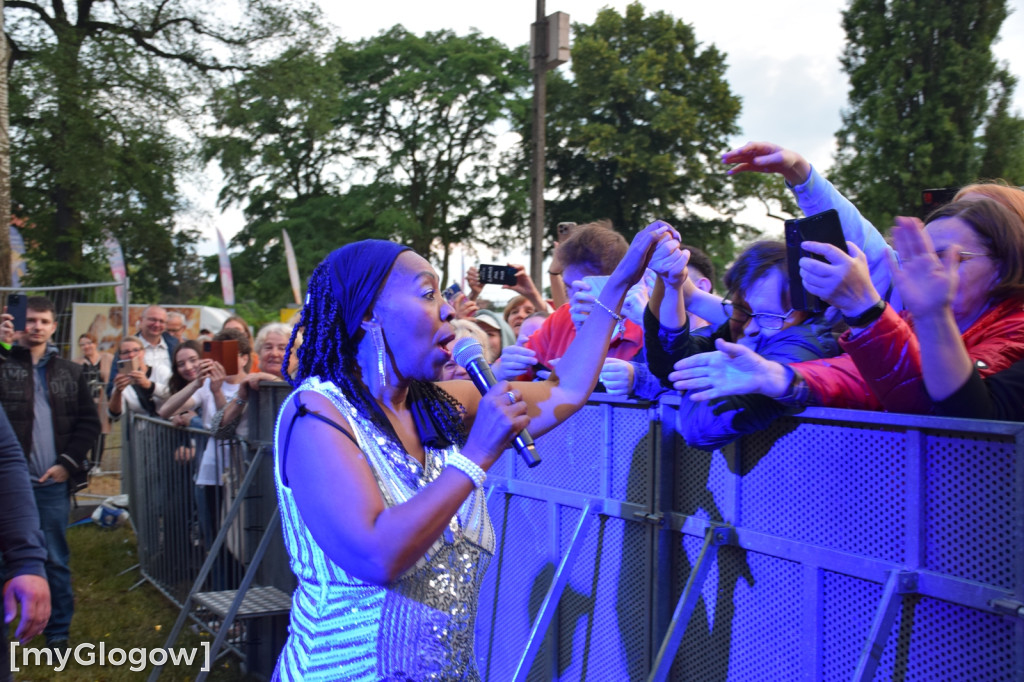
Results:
<point x="603" y="620"/>
<point x="855" y="499"/>
<point x="848" y="605"/>
<point x="571" y="454"/>
<point x="972" y="507"/>
<point x="935" y="640"/>
<point x="700" y="480"/>
<point x="514" y="586"/>
<point x="828" y="485"/>
<point x="747" y="624"/>
<point x="632" y="456"/>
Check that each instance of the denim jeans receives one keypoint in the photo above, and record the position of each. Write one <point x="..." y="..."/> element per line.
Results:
<point x="54" y="506"/>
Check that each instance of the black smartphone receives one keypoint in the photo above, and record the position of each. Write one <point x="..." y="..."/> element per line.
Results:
<point x="564" y="229"/>
<point x="932" y="199"/>
<point x="497" y="274"/>
<point x="451" y="292"/>
<point x="17" y="307"/>
<point x="821" y="227"/>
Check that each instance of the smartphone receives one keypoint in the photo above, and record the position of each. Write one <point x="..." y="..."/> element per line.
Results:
<point x="497" y="274"/>
<point x="564" y="229"/>
<point x="596" y="283"/>
<point x="17" y="306"/>
<point x="932" y="199"/>
<point x="451" y="292"/>
<point x="125" y="366"/>
<point x="821" y="227"/>
<point x="224" y="352"/>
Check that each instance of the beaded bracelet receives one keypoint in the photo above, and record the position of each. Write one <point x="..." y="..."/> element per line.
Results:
<point x="617" y="317"/>
<point x="468" y="467"/>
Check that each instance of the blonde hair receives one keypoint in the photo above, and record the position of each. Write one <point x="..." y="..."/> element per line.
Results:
<point x="999" y="191"/>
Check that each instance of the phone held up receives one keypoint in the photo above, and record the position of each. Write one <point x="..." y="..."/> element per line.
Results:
<point x="17" y="307"/>
<point x="821" y="227"/>
<point x="932" y="199"/>
<point x="564" y="229"/>
<point x="497" y="274"/>
<point x="451" y="292"/>
<point x="225" y="352"/>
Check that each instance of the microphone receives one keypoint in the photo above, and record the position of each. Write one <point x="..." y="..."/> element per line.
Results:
<point x="469" y="354"/>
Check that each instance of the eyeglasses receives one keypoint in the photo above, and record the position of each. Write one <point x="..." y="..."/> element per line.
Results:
<point x="130" y="352"/>
<point x="964" y="255"/>
<point x="764" y="320"/>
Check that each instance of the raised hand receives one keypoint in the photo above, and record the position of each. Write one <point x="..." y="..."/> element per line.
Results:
<point x="669" y="262"/>
<point x="641" y="249"/>
<point x="637" y="297"/>
<point x="474" y="283"/>
<point x="768" y="157"/>
<point x="731" y="370"/>
<point x="464" y="308"/>
<point x="581" y="303"/>
<point x="926" y="284"/>
<point x="844" y="281"/>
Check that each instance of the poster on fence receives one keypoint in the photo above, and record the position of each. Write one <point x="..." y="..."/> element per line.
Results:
<point x="103" y="320"/>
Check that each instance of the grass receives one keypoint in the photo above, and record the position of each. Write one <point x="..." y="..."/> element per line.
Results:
<point x="108" y="610"/>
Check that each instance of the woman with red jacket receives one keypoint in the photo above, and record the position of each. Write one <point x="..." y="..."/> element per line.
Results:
<point x="881" y="368"/>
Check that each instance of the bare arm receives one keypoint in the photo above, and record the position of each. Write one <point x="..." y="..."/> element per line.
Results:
<point x="553" y="401"/>
<point x="340" y="502"/>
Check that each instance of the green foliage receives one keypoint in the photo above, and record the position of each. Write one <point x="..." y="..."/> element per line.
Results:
<point x="636" y="134"/>
<point x="923" y="87"/>
<point x="391" y="137"/>
<point x="98" y="116"/>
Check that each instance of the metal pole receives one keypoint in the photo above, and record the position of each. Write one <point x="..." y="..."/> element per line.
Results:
<point x="540" y="59"/>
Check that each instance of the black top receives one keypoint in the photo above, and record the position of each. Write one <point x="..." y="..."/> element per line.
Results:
<point x="1000" y="396"/>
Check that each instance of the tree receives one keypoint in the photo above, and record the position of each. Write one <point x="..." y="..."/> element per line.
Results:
<point x="636" y="133"/>
<point x="393" y="137"/>
<point x="95" y="92"/>
<point x="923" y="87"/>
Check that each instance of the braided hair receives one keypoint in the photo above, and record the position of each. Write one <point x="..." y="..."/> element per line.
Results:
<point x="329" y="352"/>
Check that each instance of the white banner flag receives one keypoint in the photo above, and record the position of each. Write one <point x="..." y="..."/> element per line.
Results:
<point x="293" y="268"/>
<point x="227" y="284"/>
<point x="116" y="259"/>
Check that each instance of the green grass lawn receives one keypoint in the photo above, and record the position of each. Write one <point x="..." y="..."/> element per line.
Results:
<point x="106" y="611"/>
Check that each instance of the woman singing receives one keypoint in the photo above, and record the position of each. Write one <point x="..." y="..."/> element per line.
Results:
<point x="379" y="466"/>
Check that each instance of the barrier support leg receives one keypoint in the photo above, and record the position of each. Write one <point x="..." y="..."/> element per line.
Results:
<point x="899" y="582"/>
<point x="554" y="593"/>
<point x="714" y="537"/>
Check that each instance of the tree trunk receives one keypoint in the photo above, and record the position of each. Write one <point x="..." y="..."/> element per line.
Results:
<point x="5" y="159"/>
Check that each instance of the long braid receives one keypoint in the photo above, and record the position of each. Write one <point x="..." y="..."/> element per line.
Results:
<point x="327" y="351"/>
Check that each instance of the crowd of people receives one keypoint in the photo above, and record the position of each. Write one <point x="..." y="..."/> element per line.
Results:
<point x="382" y="450"/>
<point x="57" y="411"/>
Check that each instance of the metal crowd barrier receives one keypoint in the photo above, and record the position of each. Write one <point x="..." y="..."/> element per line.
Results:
<point x="834" y="545"/>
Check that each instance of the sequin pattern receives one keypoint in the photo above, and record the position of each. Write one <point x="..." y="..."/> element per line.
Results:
<point x="421" y="626"/>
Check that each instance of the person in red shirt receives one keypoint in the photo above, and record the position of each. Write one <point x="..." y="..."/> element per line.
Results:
<point x="590" y="251"/>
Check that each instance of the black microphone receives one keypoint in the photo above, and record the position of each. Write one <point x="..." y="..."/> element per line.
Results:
<point x="469" y="354"/>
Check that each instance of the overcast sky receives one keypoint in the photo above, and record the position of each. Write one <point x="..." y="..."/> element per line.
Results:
<point x="783" y="58"/>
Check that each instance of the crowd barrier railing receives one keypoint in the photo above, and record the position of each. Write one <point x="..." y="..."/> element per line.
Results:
<point x="834" y="545"/>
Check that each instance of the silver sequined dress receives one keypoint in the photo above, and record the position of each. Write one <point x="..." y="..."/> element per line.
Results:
<point x="418" y="628"/>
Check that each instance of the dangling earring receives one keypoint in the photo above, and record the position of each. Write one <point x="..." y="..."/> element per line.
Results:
<point x="377" y="337"/>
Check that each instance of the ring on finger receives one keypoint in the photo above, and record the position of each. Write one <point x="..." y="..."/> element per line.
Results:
<point x="511" y="397"/>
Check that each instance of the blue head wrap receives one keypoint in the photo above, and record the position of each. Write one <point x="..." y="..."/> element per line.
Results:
<point x="358" y="272"/>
